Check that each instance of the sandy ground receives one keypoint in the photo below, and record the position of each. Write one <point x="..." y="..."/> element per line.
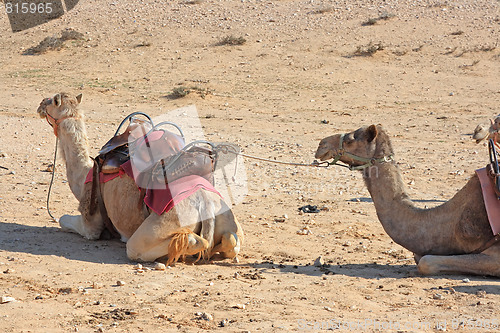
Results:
<point x="297" y="78"/>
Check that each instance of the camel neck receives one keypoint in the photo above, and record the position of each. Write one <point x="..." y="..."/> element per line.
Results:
<point x="73" y="143"/>
<point x="408" y="225"/>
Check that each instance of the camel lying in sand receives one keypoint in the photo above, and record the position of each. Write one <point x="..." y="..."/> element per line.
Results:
<point x="149" y="236"/>
<point x="445" y="238"/>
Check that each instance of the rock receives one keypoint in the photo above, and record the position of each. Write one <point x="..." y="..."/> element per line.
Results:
<point x="319" y="261"/>
<point x="120" y="283"/>
<point x="97" y="285"/>
<point x="438" y="296"/>
<point x="466" y="280"/>
<point x="304" y="231"/>
<point x="239" y="306"/>
<point x="138" y="266"/>
<point x="160" y="267"/>
<point x="6" y="299"/>
<point x="205" y="316"/>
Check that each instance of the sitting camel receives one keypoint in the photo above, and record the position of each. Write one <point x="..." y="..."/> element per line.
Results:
<point x="208" y="225"/>
<point x="454" y="237"/>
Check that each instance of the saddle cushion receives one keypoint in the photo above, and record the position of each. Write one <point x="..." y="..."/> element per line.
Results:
<point x="161" y="200"/>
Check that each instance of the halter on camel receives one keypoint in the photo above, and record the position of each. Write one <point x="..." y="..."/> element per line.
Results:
<point x="368" y="162"/>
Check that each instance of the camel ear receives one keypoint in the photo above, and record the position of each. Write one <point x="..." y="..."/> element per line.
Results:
<point x="371" y="133"/>
<point x="57" y="99"/>
<point x="79" y="98"/>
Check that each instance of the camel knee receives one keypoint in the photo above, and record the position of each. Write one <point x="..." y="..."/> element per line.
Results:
<point x="229" y="246"/>
<point x="196" y="244"/>
<point x="426" y="267"/>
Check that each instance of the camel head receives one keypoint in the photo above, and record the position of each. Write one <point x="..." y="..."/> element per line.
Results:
<point x="359" y="148"/>
<point x="58" y="108"/>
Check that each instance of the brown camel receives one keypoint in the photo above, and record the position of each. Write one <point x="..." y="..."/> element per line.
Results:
<point x="199" y="224"/>
<point x="442" y="238"/>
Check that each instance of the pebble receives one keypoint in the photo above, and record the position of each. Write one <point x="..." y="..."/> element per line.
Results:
<point x="438" y="296"/>
<point x="319" y="261"/>
<point x="160" y="267"/>
<point x="466" y="280"/>
<point x="239" y="306"/>
<point x="120" y="283"/>
<point x="6" y="299"/>
<point x="304" y="231"/>
<point x="205" y="316"/>
<point x="97" y="285"/>
<point x="138" y="266"/>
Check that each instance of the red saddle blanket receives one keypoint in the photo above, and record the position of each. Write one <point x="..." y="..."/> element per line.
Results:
<point x="491" y="201"/>
<point x="161" y="200"/>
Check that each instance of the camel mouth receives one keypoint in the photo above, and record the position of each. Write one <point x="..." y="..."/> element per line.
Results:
<point x="323" y="155"/>
<point x="42" y="109"/>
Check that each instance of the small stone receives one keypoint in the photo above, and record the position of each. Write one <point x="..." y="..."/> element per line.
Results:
<point x="438" y="296"/>
<point x="97" y="285"/>
<point x="6" y="299"/>
<point x="319" y="261"/>
<point x="465" y="280"/>
<point x="304" y="231"/>
<point x="197" y="305"/>
<point x="481" y="293"/>
<point x="205" y="316"/>
<point x="138" y="266"/>
<point x="239" y="306"/>
<point x="160" y="267"/>
<point x="120" y="283"/>
<point x="50" y="168"/>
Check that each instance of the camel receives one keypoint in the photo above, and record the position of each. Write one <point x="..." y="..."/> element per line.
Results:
<point x="487" y="131"/>
<point x="148" y="236"/>
<point x="444" y="239"/>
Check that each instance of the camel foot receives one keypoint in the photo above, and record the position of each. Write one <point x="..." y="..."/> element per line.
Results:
<point x="76" y="224"/>
<point x="229" y="246"/>
<point x="476" y="264"/>
<point x="178" y="244"/>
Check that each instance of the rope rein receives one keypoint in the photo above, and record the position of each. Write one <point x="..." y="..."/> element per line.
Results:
<point x="52" y="181"/>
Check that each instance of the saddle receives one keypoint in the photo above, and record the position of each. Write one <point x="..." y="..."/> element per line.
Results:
<point x="158" y="157"/>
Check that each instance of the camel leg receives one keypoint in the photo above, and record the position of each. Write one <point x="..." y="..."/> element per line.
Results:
<point x="229" y="246"/>
<point x="77" y="224"/>
<point x="150" y="241"/>
<point x="477" y="264"/>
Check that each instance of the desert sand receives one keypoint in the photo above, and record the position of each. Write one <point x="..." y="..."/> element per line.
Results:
<point x="298" y="71"/>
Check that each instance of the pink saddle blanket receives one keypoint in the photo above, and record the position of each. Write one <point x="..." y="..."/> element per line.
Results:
<point x="161" y="200"/>
<point x="491" y="201"/>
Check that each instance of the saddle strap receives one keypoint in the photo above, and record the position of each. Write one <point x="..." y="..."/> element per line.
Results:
<point x="100" y="202"/>
<point x="487" y="245"/>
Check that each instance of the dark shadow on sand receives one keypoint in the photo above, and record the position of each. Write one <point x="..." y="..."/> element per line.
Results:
<point x="51" y="241"/>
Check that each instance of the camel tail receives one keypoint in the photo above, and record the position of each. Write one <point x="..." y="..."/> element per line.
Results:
<point x="178" y="244"/>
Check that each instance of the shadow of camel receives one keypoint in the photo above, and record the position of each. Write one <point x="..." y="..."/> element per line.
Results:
<point x="51" y="241"/>
<point x="368" y="271"/>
